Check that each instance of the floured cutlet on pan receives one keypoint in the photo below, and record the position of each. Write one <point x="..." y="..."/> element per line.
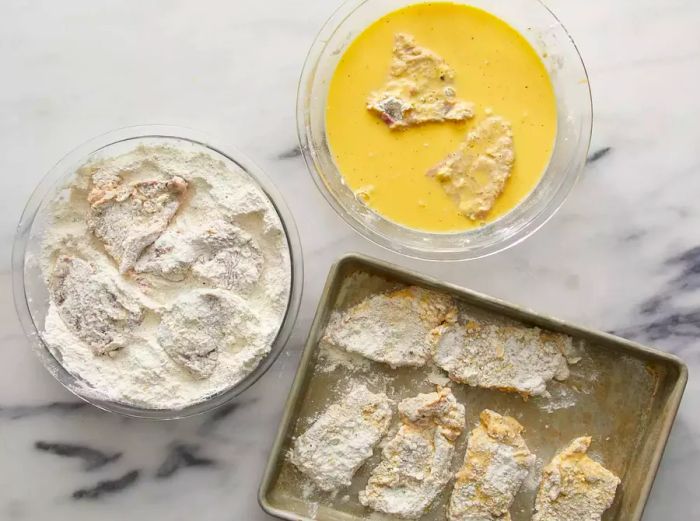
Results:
<point x="416" y="463"/>
<point x="574" y="487"/>
<point x="496" y="463"/>
<point x="508" y="358"/>
<point x="342" y="438"/>
<point x="399" y="328"/>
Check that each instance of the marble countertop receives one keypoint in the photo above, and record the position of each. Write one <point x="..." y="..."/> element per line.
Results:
<point x="622" y="255"/>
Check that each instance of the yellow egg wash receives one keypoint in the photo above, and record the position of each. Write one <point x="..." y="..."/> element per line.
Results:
<point x="495" y="68"/>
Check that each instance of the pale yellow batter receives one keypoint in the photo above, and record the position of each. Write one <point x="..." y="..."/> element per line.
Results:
<point x="495" y="73"/>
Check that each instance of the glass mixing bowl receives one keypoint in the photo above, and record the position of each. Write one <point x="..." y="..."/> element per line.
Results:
<point x="31" y="295"/>
<point x="574" y="120"/>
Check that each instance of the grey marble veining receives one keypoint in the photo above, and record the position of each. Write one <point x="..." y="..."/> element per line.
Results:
<point x="622" y="255"/>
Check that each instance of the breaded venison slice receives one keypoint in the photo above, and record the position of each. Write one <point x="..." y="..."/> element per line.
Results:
<point x="127" y="218"/>
<point x="496" y="463"/>
<point x="509" y="358"/>
<point x="416" y="463"/>
<point x="92" y="306"/>
<point x="420" y="88"/>
<point x="399" y="328"/>
<point x="342" y="438"/>
<point x="475" y="175"/>
<point x="574" y="487"/>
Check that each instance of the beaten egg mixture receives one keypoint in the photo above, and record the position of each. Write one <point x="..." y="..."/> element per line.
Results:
<point x="408" y="105"/>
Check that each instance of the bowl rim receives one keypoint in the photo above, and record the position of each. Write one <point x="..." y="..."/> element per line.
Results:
<point x="61" y="171"/>
<point x="342" y="13"/>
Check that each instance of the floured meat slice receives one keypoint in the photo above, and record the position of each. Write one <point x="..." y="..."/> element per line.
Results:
<point x="415" y="465"/>
<point x="420" y="88"/>
<point x="342" y="438"/>
<point x="574" y="487"/>
<point x="198" y="326"/>
<point x="474" y="176"/>
<point x="399" y="328"/>
<point x="127" y="217"/>
<point x="495" y="465"/>
<point x="508" y="358"/>
<point x="92" y="306"/>
<point x="216" y="251"/>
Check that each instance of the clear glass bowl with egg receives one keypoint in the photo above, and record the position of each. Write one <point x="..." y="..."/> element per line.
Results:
<point x="32" y="296"/>
<point x="555" y="47"/>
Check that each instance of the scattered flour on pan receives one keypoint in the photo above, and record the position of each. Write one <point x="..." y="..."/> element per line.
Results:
<point x="331" y="359"/>
<point x="169" y="276"/>
<point x="560" y="397"/>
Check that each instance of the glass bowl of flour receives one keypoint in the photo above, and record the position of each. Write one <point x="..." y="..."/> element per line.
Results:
<point x="156" y="275"/>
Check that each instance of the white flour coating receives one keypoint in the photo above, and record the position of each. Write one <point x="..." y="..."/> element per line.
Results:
<point x="560" y="397"/>
<point x="196" y="327"/>
<point x="398" y="328"/>
<point x="218" y="252"/>
<point x="496" y="463"/>
<point x="416" y="462"/>
<point x="169" y="275"/>
<point x="509" y="358"/>
<point x="93" y="306"/>
<point x="342" y="439"/>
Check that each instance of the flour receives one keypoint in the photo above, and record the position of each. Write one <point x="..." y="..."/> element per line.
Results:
<point x="169" y="276"/>
<point x="218" y="252"/>
<point x="561" y="397"/>
<point x="331" y="359"/>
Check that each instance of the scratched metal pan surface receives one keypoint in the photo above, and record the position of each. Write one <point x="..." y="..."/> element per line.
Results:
<point x="622" y="394"/>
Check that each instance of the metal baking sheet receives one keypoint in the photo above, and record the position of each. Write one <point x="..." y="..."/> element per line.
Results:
<point x="623" y="394"/>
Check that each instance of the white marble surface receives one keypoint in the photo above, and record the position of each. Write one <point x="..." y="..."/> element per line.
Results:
<point x="622" y="255"/>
